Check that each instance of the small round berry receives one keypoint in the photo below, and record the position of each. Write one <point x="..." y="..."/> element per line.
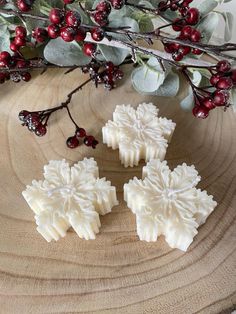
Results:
<point x="100" y="18"/>
<point x="117" y="4"/>
<point x="186" y="32"/>
<point x="192" y="16"/>
<point x="5" y="56"/>
<point x="110" y="66"/>
<point x="88" y="141"/>
<point x="225" y="83"/>
<point x="196" y="51"/>
<point x="195" y="36"/>
<point x="214" y="79"/>
<point x="200" y="112"/>
<point x="185" y="50"/>
<point x="104" y="6"/>
<point x="24" y="6"/>
<point x="72" y="142"/>
<point x="73" y="19"/>
<point x="40" y="34"/>
<point x="67" y="33"/>
<point x="223" y="66"/>
<point x="174" y="7"/>
<point x="94" y="144"/>
<point x="178" y="55"/>
<point x="80" y="34"/>
<point x="221" y="97"/>
<point x="80" y="132"/>
<point x="22" y="64"/>
<point x="23" y="115"/>
<point x="53" y="31"/>
<point x="178" y="24"/>
<point x="20" y="31"/>
<point x="89" y="49"/>
<point x="26" y="77"/>
<point x="20" y="42"/>
<point x="209" y="103"/>
<point x="97" y="34"/>
<point x="40" y="130"/>
<point x="14" y="47"/>
<point x="56" y="16"/>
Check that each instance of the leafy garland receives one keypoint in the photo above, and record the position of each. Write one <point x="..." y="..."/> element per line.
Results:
<point x="100" y="36"/>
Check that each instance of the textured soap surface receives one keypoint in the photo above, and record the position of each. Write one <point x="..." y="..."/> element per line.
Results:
<point x="70" y="197"/>
<point x="168" y="202"/>
<point x="138" y="134"/>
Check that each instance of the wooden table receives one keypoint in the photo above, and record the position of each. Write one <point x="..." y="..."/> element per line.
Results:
<point x="116" y="273"/>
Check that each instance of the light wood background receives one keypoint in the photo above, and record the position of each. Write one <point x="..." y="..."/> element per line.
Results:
<point x="116" y="273"/>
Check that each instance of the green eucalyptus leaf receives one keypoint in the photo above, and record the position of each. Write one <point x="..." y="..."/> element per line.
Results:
<point x="208" y="25"/>
<point x="205" y="7"/>
<point x="187" y="103"/>
<point x="118" y="55"/>
<point x="4" y="38"/>
<point x="57" y="51"/>
<point x="229" y="23"/>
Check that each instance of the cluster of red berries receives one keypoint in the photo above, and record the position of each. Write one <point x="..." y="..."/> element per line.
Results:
<point x="20" y="39"/>
<point x="80" y="133"/>
<point x="223" y="78"/>
<point x="34" y="121"/>
<point x="25" y="5"/>
<point x="107" y="76"/>
<point x="17" y="62"/>
<point x="183" y="25"/>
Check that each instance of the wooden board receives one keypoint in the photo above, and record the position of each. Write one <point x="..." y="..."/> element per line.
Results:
<point x="116" y="273"/>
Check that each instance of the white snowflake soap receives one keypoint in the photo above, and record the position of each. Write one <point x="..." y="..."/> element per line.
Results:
<point x="70" y="197"/>
<point x="138" y="134"/>
<point x="167" y="202"/>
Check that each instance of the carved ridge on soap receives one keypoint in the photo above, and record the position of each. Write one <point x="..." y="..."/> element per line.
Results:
<point x="167" y="202"/>
<point x="138" y="134"/>
<point x="70" y="197"/>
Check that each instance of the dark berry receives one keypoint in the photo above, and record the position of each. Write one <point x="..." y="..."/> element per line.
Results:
<point x="196" y="51"/>
<point x="178" y="55"/>
<point x="195" y="36"/>
<point x="104" y="6"/>
<point x="185" y="50"/>
<point x="14" y="47"/>
<point x="80" y="132"/>
<point x="24" y="5"/>
<point x="117" y="4"/>
<point x="200" y="112"/>
<point x="73" y="18"/>
<point x="192" y="16"/>
<point x="89" y="49"/>
<point x="178" y="24"/>
<point x="72" y="142"/>
<point x="80" y="34"/>
<point x="110" y="66"/>
<point x="221" y="97"/>
<point x="214" y="79"/>
<point x="223" y="66"/>
<point x="26" y="77"/>
<point x="88" y="141"/>
<point x="162" y="6"/>
<point x="186" y="32"/>
<point x="100" y="18"/>
<point x="209" y="103"/>
<point x="225" y="83"/>
<point x="56" y="16"/>
<point x="94" y="144"/>
<point x="97" y="34"/>
<point x="40" y="34"/>
<point x="23" y="115"/>
<point x="53" y="31"/>
<point x="67" y="33"/>
<point x="20" y="31"/>
<point x="20" y="42"/>
<point x="40" y="130"/>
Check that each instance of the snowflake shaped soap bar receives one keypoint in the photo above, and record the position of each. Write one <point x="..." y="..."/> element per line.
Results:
<point x="70" y="197"/>
<point x="139" y="134"/>
<point x="167" y="202"/>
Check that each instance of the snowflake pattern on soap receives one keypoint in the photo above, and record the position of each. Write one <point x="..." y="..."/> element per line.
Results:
<point x="167" y="202"/>
<point x="138" y="134"/>
<point x="70" y="197"/>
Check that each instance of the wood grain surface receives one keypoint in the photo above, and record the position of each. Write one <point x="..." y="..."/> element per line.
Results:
<point x="116" y="273"/>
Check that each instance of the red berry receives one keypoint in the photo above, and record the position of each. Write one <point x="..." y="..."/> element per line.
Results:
<point x="225" y="83"/>
<point x="88" y="141"/>
<point x="195" y="36"/>
<point x="23" y="115"/>
<point x="40" y="34"/>
<point x="24" y="5"/>
<point x="104" y="6"/>
<point x="14" y="47"/>
<point x="178" y="24"/>
<point x="192" y="16"/>
<point x="185" y="50"/>
<point x="110" y="66"/>
<point x="80" y="34"/>
<point x="26" y="76"/>
<point x="214" y="79"/>
<point x="178" y="55"/>
<point x="196" y="51"/>
<point x="209" y="103"/>
<point x="94" y="144"/>
<point x="97" y="34"/>
<point x="221" y="97"/>
<point x="223" y="66"/>
<point x="200" y="112"/>
<point x="80" y="132"/>
<point x="22" y="64"/>
<point x="56" y="16"/>
<point x="53" y="31"/>
<point x="20" y="31"/>
<point x="40" y="130"/>
<point x="20" y="42"/>
<point x="186" y="32"/>
<point x="89" y="49"/>
<point x="72" y="142"/>
<point x="73" y="18"/>
<point x="174" y="7"/>
<point x="5" y="56"/>
<point x="67" y="33"/>
<point x="100" y="18"/>
<point x="117" y="4"/>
